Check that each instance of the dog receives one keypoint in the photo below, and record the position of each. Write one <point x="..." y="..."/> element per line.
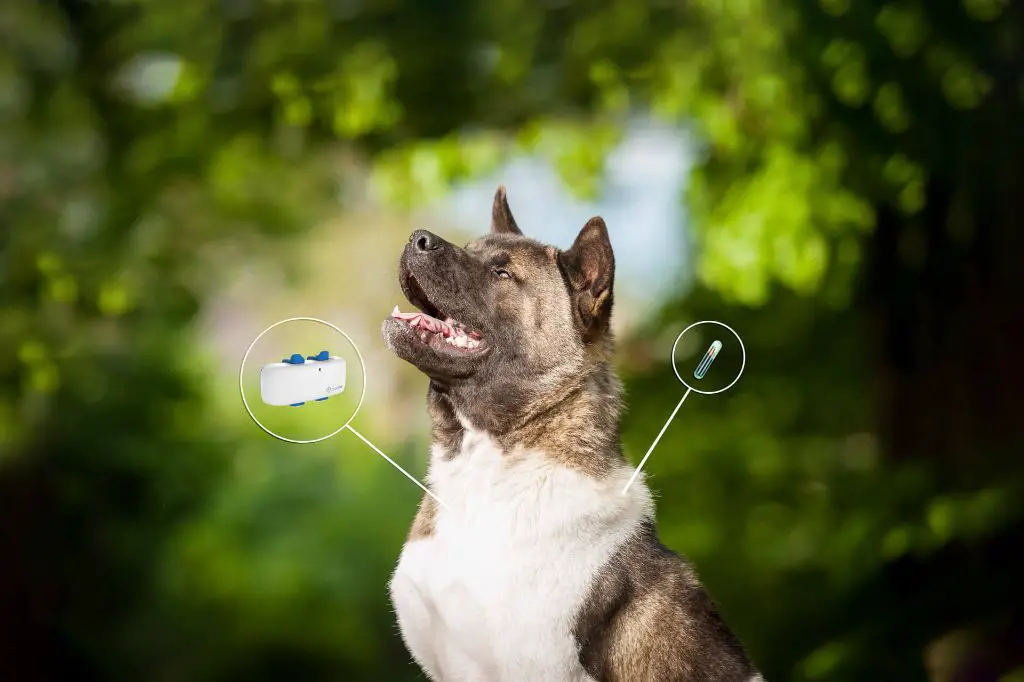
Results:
<point x="528" y="563"/>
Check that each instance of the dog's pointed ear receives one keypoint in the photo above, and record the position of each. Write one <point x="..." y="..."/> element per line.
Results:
<point x="501" y="215"/>
<point x="589" y="267"/>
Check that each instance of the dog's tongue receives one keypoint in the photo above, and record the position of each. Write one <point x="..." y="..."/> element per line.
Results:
<point x="431" y="324"/>
<point x="423" y="321"/>
<point x="409" y="316"/>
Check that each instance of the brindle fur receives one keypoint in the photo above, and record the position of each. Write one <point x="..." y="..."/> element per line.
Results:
<point x="649" y="618"/>
<point x="423" y="524"/>
<point x="545" y="383"/>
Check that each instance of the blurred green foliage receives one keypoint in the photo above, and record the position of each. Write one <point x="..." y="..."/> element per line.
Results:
<point x="855" y="209"/>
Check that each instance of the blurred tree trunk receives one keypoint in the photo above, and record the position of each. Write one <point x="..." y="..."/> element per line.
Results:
<point x="29" y="594"/>
<point x="946" y="292"/>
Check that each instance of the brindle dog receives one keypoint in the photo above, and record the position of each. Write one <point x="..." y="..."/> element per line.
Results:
<point x="535" y="566"/>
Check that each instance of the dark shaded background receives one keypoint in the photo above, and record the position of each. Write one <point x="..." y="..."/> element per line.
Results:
<point x="855" y="505"/>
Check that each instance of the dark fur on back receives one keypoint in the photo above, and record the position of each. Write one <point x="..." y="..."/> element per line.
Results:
<point x="649" y="619"/>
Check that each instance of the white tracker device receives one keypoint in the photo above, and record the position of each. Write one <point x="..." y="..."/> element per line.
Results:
<point x="298" y="380"/>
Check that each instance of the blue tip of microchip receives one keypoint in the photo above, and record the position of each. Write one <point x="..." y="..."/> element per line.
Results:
<point x="296" y="404"/>
<point x="321" y="356"/>
<point x="295" y="359"/>
<point x="320" y="400"/>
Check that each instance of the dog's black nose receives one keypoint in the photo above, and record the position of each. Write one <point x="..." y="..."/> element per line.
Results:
<point x="425" y="241"/>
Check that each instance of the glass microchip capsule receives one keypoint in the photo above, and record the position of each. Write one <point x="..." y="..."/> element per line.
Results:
<point x="708" y="358"/>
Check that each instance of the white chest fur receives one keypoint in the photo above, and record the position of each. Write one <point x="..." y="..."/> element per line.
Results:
<point x="492" y="595"/>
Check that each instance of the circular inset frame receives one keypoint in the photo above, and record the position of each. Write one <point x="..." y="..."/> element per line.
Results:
<point x="743" y="361"/>
<point x="241" y="376"/>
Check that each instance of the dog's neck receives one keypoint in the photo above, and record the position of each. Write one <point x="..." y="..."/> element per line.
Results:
<point x="576" y="425"/>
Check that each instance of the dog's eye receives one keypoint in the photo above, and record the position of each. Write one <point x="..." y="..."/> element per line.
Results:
<point x="502" y="274"/>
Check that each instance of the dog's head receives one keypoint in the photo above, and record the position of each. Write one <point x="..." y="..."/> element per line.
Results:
<point x="506" y="323"/>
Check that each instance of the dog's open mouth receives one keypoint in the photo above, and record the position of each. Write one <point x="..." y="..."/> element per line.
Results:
<point x="435" y="329"/>
<point x="431" y="329"/>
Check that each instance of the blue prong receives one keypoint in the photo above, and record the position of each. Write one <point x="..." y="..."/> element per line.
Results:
<point x="322" y="356"/>
<point x="295" y="359"/>
<point x="322" y="399"/>
<point x="296" y="404"/>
